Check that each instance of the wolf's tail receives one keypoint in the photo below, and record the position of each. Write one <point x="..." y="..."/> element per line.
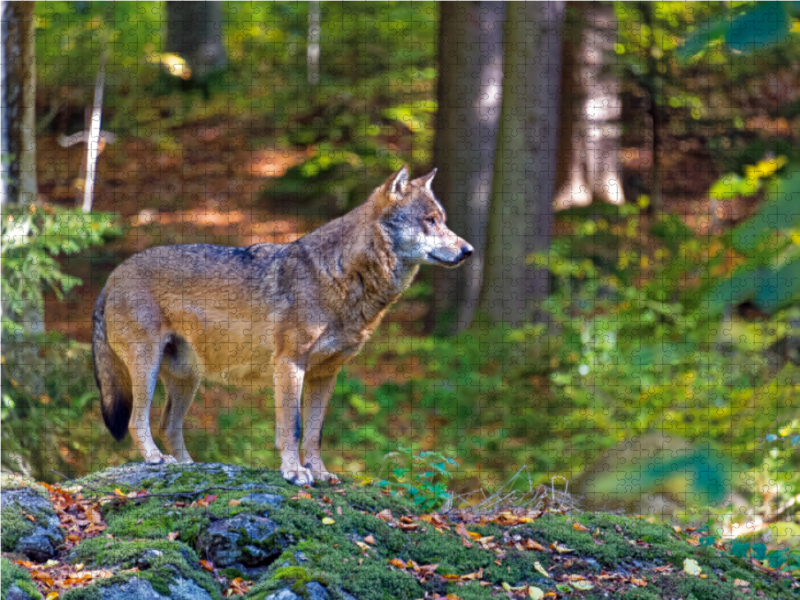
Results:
<point x="111" y="375"/>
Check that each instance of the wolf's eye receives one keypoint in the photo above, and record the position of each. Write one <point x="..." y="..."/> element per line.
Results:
<point x="430" y="221"/>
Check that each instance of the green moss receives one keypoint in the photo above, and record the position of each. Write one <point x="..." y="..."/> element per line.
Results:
<point x="309" y="551"/>
<point x="88" y="593"/>
<point x="16" y="525"/>
<point x="158" y="560"/>
<point x="151" y="519"/>
<point x="11" y="574"/>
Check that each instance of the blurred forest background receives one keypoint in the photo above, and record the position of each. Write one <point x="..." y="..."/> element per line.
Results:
<point x="628" y="173"/>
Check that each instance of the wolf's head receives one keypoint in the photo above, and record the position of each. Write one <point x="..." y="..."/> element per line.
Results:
<point x="415" y="222"/>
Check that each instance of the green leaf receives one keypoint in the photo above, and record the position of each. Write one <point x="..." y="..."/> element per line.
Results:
<point x="765" y="25"/>
<point x="759" y="551"/>
<point x="780" y="288"/>
<point x="740" y="549"/>
<point x="708" y="540"/>
<point x="781" y="211"/>
<point x="706" y="34"/>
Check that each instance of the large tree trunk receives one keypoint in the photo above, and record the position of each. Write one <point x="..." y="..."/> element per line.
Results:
<point x="22" y="362"/>
<point x="194" y="32"/>
<point x="469" y="94"/>
<point x="590" y="128"/>
<point x="18" y="104"/>
<point x="521" y="217"/>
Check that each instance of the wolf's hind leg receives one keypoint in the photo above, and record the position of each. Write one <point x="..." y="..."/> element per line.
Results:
<point x="144" y="374"/>
<point x="180" y="393"/>
<point x="318" y="391"/>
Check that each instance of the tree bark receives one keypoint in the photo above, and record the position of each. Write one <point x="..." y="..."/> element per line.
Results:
<point x="521" y="217"/>
<point x="18" y="104"/>
<point x="194" y="32"/>
<point x="314" y="36"/>
<point x="469" y="94"/>
<point x="590" y="138"/>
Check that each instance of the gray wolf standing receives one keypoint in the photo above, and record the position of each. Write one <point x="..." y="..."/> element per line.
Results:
<point x="286" y="315"/>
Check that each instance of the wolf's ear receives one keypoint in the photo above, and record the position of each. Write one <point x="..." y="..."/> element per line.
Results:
<point x="397" y="184"/>
<point x="425" y="181"/>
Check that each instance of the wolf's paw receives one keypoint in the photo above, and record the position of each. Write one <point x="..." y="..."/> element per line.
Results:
<point x="322" y="474"/>
<point x="161" y="459"/>
<point x="298" y="475"/>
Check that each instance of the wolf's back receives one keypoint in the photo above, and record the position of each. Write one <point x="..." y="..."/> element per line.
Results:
<point x="111" y="375"/>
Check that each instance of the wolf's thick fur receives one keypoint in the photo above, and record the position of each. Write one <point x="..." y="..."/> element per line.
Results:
<point x="281" y="315"/>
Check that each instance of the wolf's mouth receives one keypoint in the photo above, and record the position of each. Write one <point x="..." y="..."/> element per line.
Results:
<point x="444" y="261"/>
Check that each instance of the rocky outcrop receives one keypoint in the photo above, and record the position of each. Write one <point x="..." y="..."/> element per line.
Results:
<point x="208" y="532"/>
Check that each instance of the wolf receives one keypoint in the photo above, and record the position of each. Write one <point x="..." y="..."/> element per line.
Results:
<point x="286" y="315"/>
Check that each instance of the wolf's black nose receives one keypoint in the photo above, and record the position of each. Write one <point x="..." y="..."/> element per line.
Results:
<point x="466" y="251"/>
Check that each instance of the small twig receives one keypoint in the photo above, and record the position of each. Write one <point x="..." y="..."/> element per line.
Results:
<point x="171" y="494"/>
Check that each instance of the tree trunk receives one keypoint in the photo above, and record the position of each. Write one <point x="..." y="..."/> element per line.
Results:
<point x="22" y="362"/>
<point x="194" y="32"/>
<point x="469" y="94"/>
<point x="590" y="139"/>
<point x="18" y="104"/>
<point x="314" y="36"/>
<point x="521" y="217"/>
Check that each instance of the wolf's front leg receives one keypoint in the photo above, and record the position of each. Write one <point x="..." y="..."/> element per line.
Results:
<point x="289" y="428"/>
<point x="319" y="387"/>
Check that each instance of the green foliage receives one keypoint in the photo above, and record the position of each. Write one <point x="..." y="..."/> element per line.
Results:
<point x="770" y="274"/>
<point x="422" y="477"/>
<point x="47" y="382"/>
<point x="749" y="27"/>
<point x="31" y="239"/>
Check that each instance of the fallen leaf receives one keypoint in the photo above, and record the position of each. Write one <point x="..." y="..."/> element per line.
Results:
<point x="559" y="548"/>
<point x="535" y="593"/>
<point x="639" y="582"/>
<point x="173" y="535"/>
<point x="691" y="567"/>
<point x="538" y="566"/>
<point x="370" y="540"/>
<point x="51" y="596"/>
<point x="362" y="545"/>
<point x="741" y="583"/>
<point x="579" y="527"/>
<point x="396" y="562"/>
<point x="328" y="521"/>
<point x="582" y="586"/>
<point x="531" y="545"/>
<point x="43" y="577"/>
<point x="385" y="515"/>
<point x="234" y="503"/>
<point x="207" y="565"/>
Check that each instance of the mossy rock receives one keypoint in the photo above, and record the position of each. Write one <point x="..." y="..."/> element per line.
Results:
<point x="29" y="524"/>
<point x="16" y="583"/>
<point x="327" y="543"/>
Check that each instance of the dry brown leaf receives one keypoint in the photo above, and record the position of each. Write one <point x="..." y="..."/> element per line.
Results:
<point x="207" y="565"/>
